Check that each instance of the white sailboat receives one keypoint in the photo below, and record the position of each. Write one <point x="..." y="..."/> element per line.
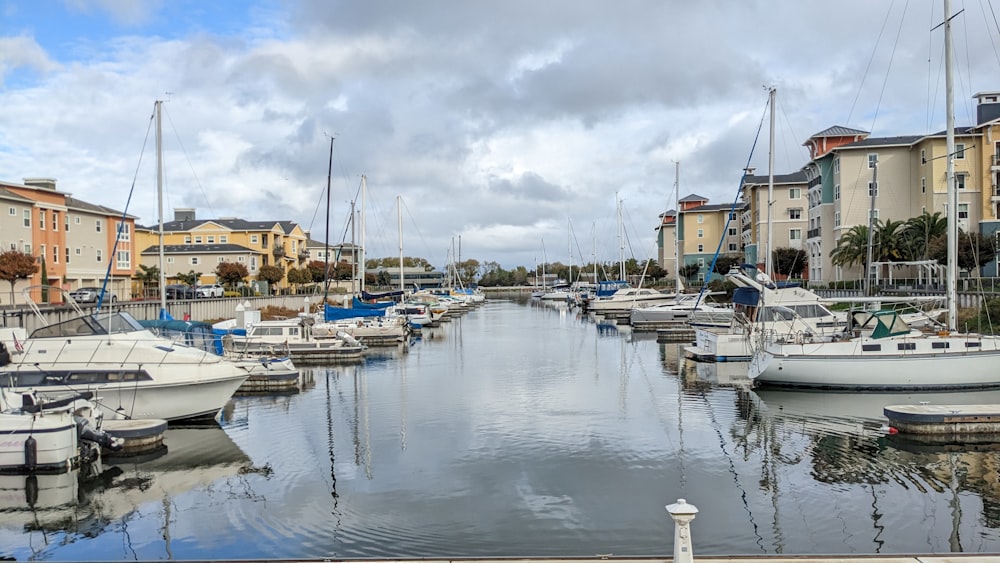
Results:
<point x="878" y="351"/>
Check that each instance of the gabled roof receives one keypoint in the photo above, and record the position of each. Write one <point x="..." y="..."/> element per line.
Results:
<point x="316" y="243"/>
<point x="198" y="249"/>
<point x="693" y="197"/>
<point x="839" y="131"/>
<point x="716" y="207"/>
<point x="231" y="224"/>
<point x="79" y="204"/>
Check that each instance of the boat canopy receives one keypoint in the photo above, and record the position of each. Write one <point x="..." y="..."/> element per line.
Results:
<point x="331" y="313"/>
<point x="609" y="287"/>
<point x="376" y="296"/>
<point x="195" y="334"/>
<point x="359" y="304"/>
<point x="747" y="296"/>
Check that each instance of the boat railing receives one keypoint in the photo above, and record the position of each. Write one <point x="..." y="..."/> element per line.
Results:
<point x="139" y="352"/>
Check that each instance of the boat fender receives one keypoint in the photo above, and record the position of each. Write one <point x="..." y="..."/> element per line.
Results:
<point x="4" y="355"/>
<point x="31" y="490"/>
<point x="30" y="453"/>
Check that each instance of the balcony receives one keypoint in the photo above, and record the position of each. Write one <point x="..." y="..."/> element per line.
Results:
<point x="813" y="233"/>
<point x="995" y="163"/>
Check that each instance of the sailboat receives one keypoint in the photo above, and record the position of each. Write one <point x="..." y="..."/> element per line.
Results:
<point x="878" y="350"/>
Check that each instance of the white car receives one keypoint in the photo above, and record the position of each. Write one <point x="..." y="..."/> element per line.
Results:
<point x="210" y="290"/>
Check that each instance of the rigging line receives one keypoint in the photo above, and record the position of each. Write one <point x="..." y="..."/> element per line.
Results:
<point x="892" y="55"/>
<point x="121" y="225"/>
<point x="930" y="55"/>
<point x="732" y="208"/>
<point x="871" y="59"/>
<point x="187" y="159"/>
<point x="995" y="24"/>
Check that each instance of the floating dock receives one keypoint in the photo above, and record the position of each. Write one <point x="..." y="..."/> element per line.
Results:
<point x="952" y="420"/>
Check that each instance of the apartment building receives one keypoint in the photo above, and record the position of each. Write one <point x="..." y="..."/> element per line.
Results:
<point x="79" y="241"/>
<point x="192" y="244"/>
<point x="666" y="242"/>
<point x="702" y="226"/>
<point x="788" y="214"/>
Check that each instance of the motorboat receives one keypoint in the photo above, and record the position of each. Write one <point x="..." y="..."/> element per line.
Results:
<point x="135" y="373"/>
<point x="292" y="338"/>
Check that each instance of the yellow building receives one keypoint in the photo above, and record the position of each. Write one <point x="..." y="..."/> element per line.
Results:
<point x="199" y="245"/>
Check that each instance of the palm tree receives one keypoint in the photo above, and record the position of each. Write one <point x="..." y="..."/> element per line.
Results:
<point x="920" y="231"/>
<point x="852" y="247"/>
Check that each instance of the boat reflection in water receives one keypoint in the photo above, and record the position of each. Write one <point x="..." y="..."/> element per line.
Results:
<point x="39" y="513"/>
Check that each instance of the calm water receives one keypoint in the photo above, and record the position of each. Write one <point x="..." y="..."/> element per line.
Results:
<point x="523" y="430"/>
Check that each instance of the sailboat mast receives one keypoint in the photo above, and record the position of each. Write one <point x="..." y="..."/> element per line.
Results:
<point x="158" y="107"/>
<point x="326" y="240"/>
<point x="621" y="242"/>
<point x="361" y="261"/>
<point x="768" y="260"/>
<point x="399" y="220"/>
<point x="677" y="225"/>
<point x="952" y="269"/>
<point x="871" y="229"/>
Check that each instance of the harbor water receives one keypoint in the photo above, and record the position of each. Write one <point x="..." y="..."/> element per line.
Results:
<point x="522" y="429"/>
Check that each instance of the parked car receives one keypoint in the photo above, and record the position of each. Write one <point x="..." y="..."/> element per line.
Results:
<point x="210" y="290"/>
<point x="89" y="295"/>
<point x="179" y="291"/>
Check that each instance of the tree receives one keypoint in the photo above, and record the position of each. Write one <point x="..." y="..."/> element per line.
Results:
<point x="317" y="269"/>
<point x="231" y="274"/>
<point x="919" y="233"/>
<point x="468" y="269"/>
<point x="726" y="262"/>
<point x="190" y="278"/>
<point x="790" y="262"/>
<point x="689" y="270"/>
<point x="299" y="276"/>
<point x="148" y="276"/>
<point x="45" y="282"/>
<point x="271" y="274"/>
<point x="973" y="250"/>
<point x="852" y="247"/>
<point x="15" y="266"/>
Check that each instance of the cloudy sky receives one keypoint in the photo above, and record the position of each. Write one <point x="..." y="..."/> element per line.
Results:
<point x="503" y="125"/>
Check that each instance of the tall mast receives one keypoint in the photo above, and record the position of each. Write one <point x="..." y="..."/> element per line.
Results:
<point x="361" y="261"/>
<point x="326" y="239"/>
<point x="158" y="107"/>
<point x="952" y="282"/>
<point x="871" y="229"/>
<point x="399" y="219"/>
<point x="770" y="192"/>
<point x="677" y="225"/>
<point x="621" y="241"/>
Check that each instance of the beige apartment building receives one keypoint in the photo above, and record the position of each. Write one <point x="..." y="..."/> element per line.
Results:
<point x="788" y="216"/>
<point x="702" y="226"/>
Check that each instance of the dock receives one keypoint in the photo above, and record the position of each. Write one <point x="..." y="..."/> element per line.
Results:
<point x="944" y="420"/>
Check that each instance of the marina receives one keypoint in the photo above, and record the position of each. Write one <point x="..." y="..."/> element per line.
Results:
<point x="482" y="440"/>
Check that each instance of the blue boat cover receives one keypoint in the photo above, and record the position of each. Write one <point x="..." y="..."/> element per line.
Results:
<point x="746" y="296"/>
<point x="331" y="313"/>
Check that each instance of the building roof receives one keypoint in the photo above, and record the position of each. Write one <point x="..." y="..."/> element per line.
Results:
<point x="716" y="207"/>
<point x="900" y="141"/>
<point x="693" y="197"/>
<point x="798" y="177"/>
<point x="73" y="203"/>
<point x="838" y="131"/>
<point x="232" y="224"/>
<point x="315" y="243"/>
<point x="7" y="194"/>
<point x="199" y="249"/>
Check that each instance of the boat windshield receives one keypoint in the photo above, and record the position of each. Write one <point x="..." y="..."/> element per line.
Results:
<point x="90" y="326"/>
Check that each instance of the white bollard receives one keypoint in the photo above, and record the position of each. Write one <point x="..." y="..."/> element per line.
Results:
<point x="682" y="513"/>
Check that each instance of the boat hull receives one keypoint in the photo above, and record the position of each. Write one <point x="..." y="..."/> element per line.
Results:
<point x="55" y="436"/>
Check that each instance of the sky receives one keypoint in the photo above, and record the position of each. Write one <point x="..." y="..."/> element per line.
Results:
<point x="507" y="131"/>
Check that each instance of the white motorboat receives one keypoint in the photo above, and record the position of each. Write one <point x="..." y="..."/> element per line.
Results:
<point x="678" y="311"/>
<point x="629" y="298"/>
<point x="136" y="373"/>
<point x="293" y="338"/>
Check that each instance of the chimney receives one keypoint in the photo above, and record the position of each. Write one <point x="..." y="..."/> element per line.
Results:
<point x="988" y="107"/>
<point x="184" y="214"/>
<point x="43" y="183"/>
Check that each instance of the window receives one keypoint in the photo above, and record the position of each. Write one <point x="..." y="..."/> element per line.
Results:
<point x="795" y="234"/>
<point x="187" y="239"/>
<point x="124" y="260"/>
<point x="701" y="218"/>
<point x="872" y="159"/>
<point x="732" y="232"/>
<point x="27" y="217"/>
<point x="98" y="225"/>
<point x="923" y="185"/>
<point x="253" y="239"/>
<point x="701" y="248"/>
<point x="210" y="239"/>
<point x="836" y="165"/>
<point x="41" y="250"/>
<point x="794" y="213"/>
<point x="836" y="219"/>
<point x="794" y="193"/>
<point x="963" y="210"/>
<point x="41" y="219"/>
<point x="66" y="223"/>
<point x="701" y="233"/>
<point x="923" y="156"/>
<point x="242" y="259"/>
<point x="732" y="247"/>
<point x="960" y="181"/>
<point x="55" y="254"/>
<point x="221" y="259"/>
<point x="100" y="255"/>
<point x="197" y="239"/>
<point x="78" y="251"/>
<point x="836" y="191"/>
<point x="873" y="214"/>
<point x="223" y="239"/>
<point x="959" y="151"/>
<point x="27" y="248"/>
<point x="193" y="260"/>
<point x="701" y="262"/>
<point x="55" y="220"/>
<point x="872" y="189"/>
<point x="170" y="259"/>
<point x="124" y="231"/>
<point x="13" y="212"/>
